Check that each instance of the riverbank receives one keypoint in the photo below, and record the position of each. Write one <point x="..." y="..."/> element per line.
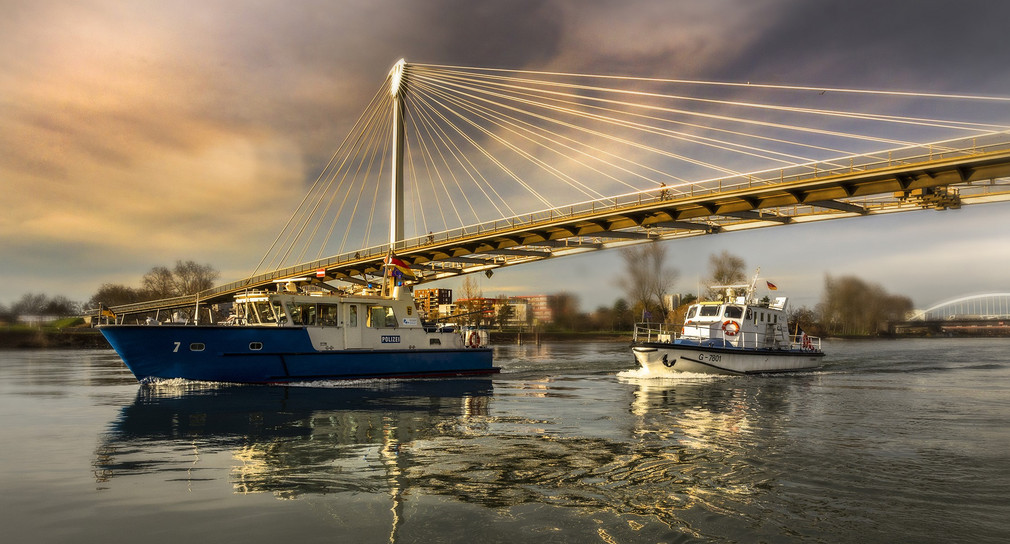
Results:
<point x="499" y="338"/>
<point x="48" y="338"/>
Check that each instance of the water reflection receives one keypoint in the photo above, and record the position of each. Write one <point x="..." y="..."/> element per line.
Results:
<point x="284" y="440"/>
<point x="662" y="456"/>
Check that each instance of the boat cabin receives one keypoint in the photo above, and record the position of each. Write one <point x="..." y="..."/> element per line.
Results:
<point x="739" y="323"/>
<point x="337" y="320"/>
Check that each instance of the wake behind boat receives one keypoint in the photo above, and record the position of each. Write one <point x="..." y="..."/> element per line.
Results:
<point x="735" y="335"/>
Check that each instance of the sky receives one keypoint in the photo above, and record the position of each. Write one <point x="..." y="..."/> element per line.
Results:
<point x="135" y="134"/>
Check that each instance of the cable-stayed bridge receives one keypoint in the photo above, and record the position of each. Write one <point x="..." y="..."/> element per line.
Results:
<point x="460" y="170"/>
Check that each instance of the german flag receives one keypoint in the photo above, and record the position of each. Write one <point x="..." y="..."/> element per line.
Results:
<point x="400" y="268"/>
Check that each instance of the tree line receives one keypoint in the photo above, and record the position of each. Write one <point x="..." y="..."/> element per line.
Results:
<point x="186" y="277"/>
<point x="849" y="306"/>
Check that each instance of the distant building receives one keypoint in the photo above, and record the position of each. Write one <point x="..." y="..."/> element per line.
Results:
<point x="522" y="311"/>
<point x="478" y="311"/>
<point x="428" y="301"/>
<point x="671" y="302"/>
<point x="537" y="308"/>
<point x="445" y="311"/>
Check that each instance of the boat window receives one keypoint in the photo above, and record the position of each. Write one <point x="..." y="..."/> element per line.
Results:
<point x="352" y="315"/>
<point x="734" y="312"/>
<point x="303" y="314"/>
<point x="434" y="342"/>
<point x="197" y="346"/>
<point x="692" y="312"/>
<point x="265" y="312"/>
<point x="328" y="314"/>
<point x="710" y="311"/>
<point x="255" y="346"/>
<point x="381" y="316"/>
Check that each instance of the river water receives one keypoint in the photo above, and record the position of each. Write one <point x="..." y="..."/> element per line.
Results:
<point x="891" y="441"/>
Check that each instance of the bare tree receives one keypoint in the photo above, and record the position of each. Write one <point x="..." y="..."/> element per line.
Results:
<point x="186" y="278"/>
<point x="111" y="294"/>
<point x="851" y="306"/>
<point x="159" y="283"/>
<point x="725" y="269"/>
<point x="39" y="304"/>
<point x="564" y="310"/>
<point x="647" y="278"/>
<point x="191" y="277"/>
<point x="470" y="304"/>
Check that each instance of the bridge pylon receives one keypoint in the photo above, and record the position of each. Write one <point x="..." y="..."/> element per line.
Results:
<point x="397" y="82"/>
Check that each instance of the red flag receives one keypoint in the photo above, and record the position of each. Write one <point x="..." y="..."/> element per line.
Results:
<point x="772" y="286"/>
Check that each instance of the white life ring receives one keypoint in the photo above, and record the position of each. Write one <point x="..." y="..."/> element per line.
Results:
<point x="473" y="340"/>
<point x="730" y="328"/>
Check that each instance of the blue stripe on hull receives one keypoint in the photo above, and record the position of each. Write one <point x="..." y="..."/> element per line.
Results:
<point x="286" y="355"/>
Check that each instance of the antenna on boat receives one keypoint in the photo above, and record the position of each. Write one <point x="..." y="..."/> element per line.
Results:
<point x="753" y="284"/>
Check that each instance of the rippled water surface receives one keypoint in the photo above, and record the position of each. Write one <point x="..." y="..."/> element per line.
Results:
<point x="892" y="441"/>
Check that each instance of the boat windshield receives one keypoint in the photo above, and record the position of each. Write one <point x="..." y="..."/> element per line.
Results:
<point x="267" y="312"/>
<point x="734" y="312"/>
<point x="710" y="311"/>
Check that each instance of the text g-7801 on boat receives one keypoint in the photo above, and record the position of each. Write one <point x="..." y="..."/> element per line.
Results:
<point x="736" y="334"/>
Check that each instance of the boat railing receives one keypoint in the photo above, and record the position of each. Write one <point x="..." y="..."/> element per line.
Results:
<point x="668" y="332"/>
<point x="654" y="332"/>
<point x="805" y="342"/>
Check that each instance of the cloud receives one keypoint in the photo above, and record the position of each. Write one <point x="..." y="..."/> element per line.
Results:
<point x="138" y="133"/>
<point x="928" y="44"/>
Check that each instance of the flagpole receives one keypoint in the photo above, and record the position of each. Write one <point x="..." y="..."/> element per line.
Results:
<point x="385" y="271"/>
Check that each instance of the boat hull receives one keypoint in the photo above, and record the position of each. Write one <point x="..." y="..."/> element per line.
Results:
<point x="275" y="355"/>
<point x="669" y="359"/>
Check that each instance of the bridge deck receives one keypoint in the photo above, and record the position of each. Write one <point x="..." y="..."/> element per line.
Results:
<point x="966" y="172"/>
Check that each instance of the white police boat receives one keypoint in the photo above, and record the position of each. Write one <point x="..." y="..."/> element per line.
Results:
<point x="737" y="334"/>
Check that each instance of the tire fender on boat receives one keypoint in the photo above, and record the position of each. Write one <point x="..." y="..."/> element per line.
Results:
<point x="730" y="327"/>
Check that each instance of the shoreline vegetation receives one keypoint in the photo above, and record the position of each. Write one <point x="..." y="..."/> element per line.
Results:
<point x="52" y="338"/>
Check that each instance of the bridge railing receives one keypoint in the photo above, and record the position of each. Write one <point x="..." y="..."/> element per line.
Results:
<point x="856" y="163"/>
<point x="958" y="147"/>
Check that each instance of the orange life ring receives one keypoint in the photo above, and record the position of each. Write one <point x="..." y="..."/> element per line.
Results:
<point x="730" y="328"/>
<point x="473" y="340"/>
